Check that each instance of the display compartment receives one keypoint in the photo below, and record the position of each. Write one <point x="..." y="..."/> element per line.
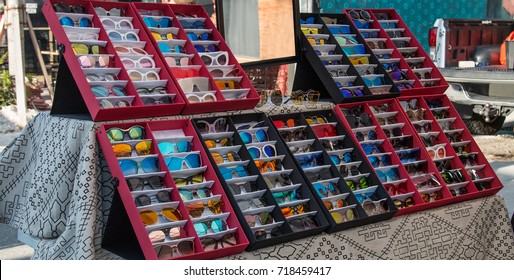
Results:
<point x="460" y="138"/>
<point x="74" y="94"/>
<point x="126" y="233"/>
<point x="323" y="176"/>
<point x="282" y="229"/>
<point x="329" y="53"/>
<point x="396" y="178"/>
<point x="394" y="127"/>
<point x="460" y="184"/>
<point x="237" y="91"/>
<point x="428" y="79"/>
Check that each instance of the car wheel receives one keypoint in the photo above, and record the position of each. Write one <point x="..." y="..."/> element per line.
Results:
<point x="478" y="126"/>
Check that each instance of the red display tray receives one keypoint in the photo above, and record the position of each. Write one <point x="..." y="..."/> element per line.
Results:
<point x="481" y="164"/>
<point x="73" y="91"/>
<point x="197" y="11"/>
<point x="142" y="247"/>
<point x="395" y="26"/>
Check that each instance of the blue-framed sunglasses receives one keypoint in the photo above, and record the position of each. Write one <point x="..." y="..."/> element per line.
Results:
<point x="309" y="20"/>
<point x="159" y="23"/>
<point x="307" y="161"/>
<point x="167" y="148"/>
<point x="340" y="29"/>
<point x="229" y="172"/>
<point x="197" y="24"/>
<point x="165" y="48"/>
<point x="207" y="48"/>
<point x="389" y="175"/>
<point x="354" y="49"/>
<point x="379" y="161"/>
<point x="199" y="36"/>
<point x="409" y="156"/>
<point x="258" y="136"/>
<point x="131" y="167"/>
<point x="373" y="81"/>
<point x="338" y="159"/>
<point x="371" y="148"/>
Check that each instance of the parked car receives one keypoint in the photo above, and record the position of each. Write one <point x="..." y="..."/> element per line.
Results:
<point x="467" y="53"/>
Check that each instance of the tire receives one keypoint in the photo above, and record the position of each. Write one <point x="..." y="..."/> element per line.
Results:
<point x="478" y="126"/>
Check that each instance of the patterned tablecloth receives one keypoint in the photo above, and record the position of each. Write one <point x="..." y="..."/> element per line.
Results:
<point x="56" y="186"/>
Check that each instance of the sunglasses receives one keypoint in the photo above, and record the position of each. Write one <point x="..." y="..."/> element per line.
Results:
<point x="309" y="30"/>
<point x="80" y="22"/>
<point x="229" y="172"/>
<point x="436" y="152"/>
<point x="151" y="217"/>
<point x="259" y="135"/>
<point x="344" y="215"/>
<point x="324" y="130"/>
<point x="332" y="145"/>
<point x="428" y="181"/>
<point x="287" y="196"/>
<point x="136" y="75"/>
<point x="218" y="59"/>
<point x="377" y="44"/>
<point x="115" y="35"/>
<point x="228" y="157"/>
<point x="315" y="41"/>
<point x="149" y="91"/>
<point x="354" y="49"/>
<point x="369" y="136"/>
<point x="424" y="127"/>
<point x="82" y="36"/>
<point x="129" y="50"/>
<point x="390" y="175"/>
<point x="452" y="177"/>
<point x="213" y="242"/>
<point x="197" y="209"/>
<point x="365" y="69"/>
<point x="356" y="119"/>
<point x="167" y="251"/>
<point x="218" y="126"/>
<point x="359" y="60"/>
<point x="348" y="93"/>
<point x="300" y="149"/>
<point x="340" y="158"/>
<point x="207" y="48"/>
<point x="409" y="155"/>
<point x="213" y="143"/>
<point x="483" y="186"/>
<point x="416" y="65"/>
<point x="263" y="218"/>
<point x="347" y="171"/>
<point x="141" y="184"/>
<point x="277" y="181"/>
<point x="431" y="197"/>
<point x="190" y="161"/>
<point x="309" y="20"/>
<point x="202" y="228"/>
<point x="253" y="203"/>
<point x="159" y="197"/>
<point x="371" y="148"/>
<point x="415" y="169"/>
<point x="65" y="8"/>
<point x="247" y="187"/>
<point x="358" y="184"/>
<point x="190" y="23"/>
<point x="160" y="22"/>
<point x="299" y="96"/>
<point x="176" y="61"/>
<point x="191" y="180"/>
<point x="373" y="208"/>
<point x="162" y="234"/>
<point x="187" y="195"/>
<point x="309" y="160"/>
<point x="296" y="134"/>
<point x="346" y="40"/>
<point x="142" y="62"/>
<point x="165" y="47"/>
<point x="463" y="150"/>
<point x="468" y="159"/>
<point x="200" y="36"/>
<point x="381" y="161"/>
<point x="459" y="191"/>
<point x="295" y="210"/>
<point x="101" y="61"/>
<point x="288" y="123"/>
<point x="162" y="36"/>
<point x="403" y="203"/>
<point x="302" y="224"/>
<point x="80" y="48"/>
<point x="194" y="97"/>
<point x="268" y="166"/>
<point x="131" y="167"/>
<point x="101" y="77"/>
<point x="338" y="73"/>
<point x="327" y="190"/>
<point x="135" y="132"/>
<point x="373" y="81"/>
<point x="125" y="150"/>
<point x="111" y="23"/>
<point x="335" y="204"/>
<point x="401" y="142"/>
<point x="339" y="30"/>
<point x="264" y="151"/>
<point x="100" y="91"/>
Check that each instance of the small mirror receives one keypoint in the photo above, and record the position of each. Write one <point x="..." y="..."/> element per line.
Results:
<point x="258" y="30"/>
